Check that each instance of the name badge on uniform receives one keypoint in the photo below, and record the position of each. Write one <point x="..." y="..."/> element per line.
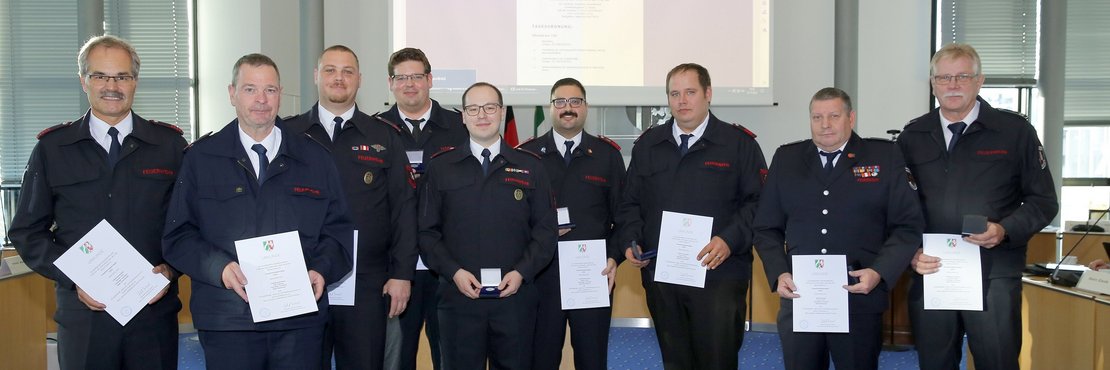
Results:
<point x="416" y="159"/>
<point x="563" y="215"/>
<point x="491" y="279"/>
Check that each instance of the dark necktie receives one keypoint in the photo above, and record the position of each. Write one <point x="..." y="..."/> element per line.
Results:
<point x="567" y="155"/>
<point x="957" y="131"/>
<point x="338" y="127"/>
<point x="685" y="147"/>
<point x="829" y="159"/>
<point x="114" y="147"/>
<point x="263" y="162"/>
<point x="485" y="161"/>
<point x="415" y="127"/>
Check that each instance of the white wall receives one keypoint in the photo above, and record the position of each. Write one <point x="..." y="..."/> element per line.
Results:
<point x="227" y="30"/>
<point x="893" y="64"/>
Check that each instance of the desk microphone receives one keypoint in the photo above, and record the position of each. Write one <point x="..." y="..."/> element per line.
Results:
<point x="1071" y="278"/>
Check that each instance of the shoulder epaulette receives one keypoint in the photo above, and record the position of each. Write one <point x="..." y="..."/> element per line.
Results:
<point x="642" y="133"/>
<point x="169" y="126"/>
<point x="522" y="150"/>
<point x="610" y="142"/>
<point x="199" y="139"/>
<point x="52" y="129"/>
<point x="882" y="139"/>
<point x="1019" y="114"/>
<point x="793" y="143"/>
<point x="441" y="151"/>
<point x="909" y="123"/>
<point x="742" y="128"/>
<point x="317" y="141"/>
<point x="526" y="141"/>
<point x="380" y="119"/>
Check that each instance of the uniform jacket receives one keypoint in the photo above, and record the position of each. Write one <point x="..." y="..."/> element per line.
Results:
<point x="590" y="187"/>
<point x="443" y="130"/>
<point x="720" y="177"/>
<point x="379" y="187"/>
<point x="68" y="184"/>
<point x="217" y="201"/>
<point x="866" y="209"/>
<point x="504" y="220"/>
<point x="997" y="170"/>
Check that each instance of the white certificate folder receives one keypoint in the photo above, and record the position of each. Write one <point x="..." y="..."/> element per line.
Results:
<point x="111" y="271"/>
<point x="277" y="278"/>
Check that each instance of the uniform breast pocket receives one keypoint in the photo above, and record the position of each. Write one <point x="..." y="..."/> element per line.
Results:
<point x="718" y="177"/>
<point x="156" y="178"/>
<point x="371" y="171"/>
<point x="923" y="156"/>
<point x="75" y="185"/>
<point x="223" y="210"/>
<point x="308" y="205"/>
<point x="987" y="160"/>
<point x="516" y="193"/>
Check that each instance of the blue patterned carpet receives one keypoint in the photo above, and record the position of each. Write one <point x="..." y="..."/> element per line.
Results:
<point x="637" y="349"/>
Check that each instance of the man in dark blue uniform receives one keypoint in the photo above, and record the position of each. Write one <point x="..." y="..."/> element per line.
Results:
<point x="972" y="159"/>
<point x="695" y="164"/>
<point x="255" y="177"/>
<point x="486" y="210"/>
<point x="838" y="194"/>
<point x="586" y="173"/>
<point x="109" y="165"/>
<point x="377" y="182"/>
<point x="426" y="128"/>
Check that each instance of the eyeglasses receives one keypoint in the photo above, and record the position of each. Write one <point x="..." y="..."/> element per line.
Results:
<point x="960" y="78"/>
<point x="472" y="110"/>
<point x="415" y="77"/>
<point x="562" y="102"/>
<point x="103" y="78"/>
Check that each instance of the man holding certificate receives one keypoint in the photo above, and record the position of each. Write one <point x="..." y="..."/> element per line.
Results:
<point x="488" y="227"/>
<point x="375" y="173"/>
<point x="974" y="161"/>
<point x="706" y="175"/>
<point x="426" y="128"/>
<point x="586" y="174"/>
<point x="259" y="222"/>
<point x="843" y="198"/>
<point x="108" y="165"/>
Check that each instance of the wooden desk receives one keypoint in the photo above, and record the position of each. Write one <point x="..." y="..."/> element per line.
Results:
<point x="1063" y="328"/>
<point x="1042" y="248"/>
<point x="24" y="317"/>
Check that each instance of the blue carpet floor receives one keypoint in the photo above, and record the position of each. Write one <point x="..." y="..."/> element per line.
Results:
<point x="637" y="349"/>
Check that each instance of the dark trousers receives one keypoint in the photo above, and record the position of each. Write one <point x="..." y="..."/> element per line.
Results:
<point x="857" y="349"/>
<point x="494" y="330"/>
<point x="295" y="349"/>
<point x="994" y="334"/>
<point x="357" y="333"/>
<point x="698" y="328"/>
<point x="421" y="312"/>
<point x="94" y="340"/>
<point x="589" y="328"/>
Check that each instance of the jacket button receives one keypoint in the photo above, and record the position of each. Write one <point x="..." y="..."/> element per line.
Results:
<point x="826" y="192"/>
<point x="824" y="211"/>
<point x="823" y="251"/>
<point x="824" y="231"/>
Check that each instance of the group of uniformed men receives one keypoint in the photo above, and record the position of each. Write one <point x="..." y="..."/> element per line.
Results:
<point x="437" y="196"/>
